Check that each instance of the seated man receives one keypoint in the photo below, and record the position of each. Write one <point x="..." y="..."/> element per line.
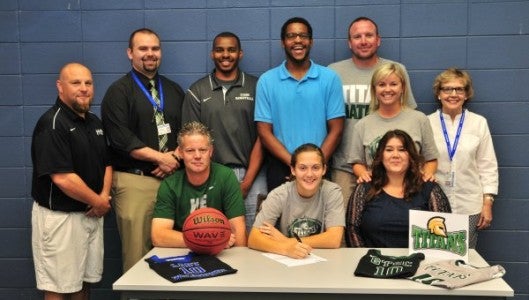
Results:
<point x="309" y="210"/>
<point x="201" y="183"/>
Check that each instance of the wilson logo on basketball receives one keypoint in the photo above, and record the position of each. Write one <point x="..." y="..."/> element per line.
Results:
<point x="206" y="231"/>
<point x="207" y="219"/>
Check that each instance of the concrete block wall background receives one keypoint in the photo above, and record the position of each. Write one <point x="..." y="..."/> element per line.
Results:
<point x="489" y="38"/>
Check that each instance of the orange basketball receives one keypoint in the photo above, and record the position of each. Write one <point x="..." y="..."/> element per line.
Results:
<point x="206" y="231"/>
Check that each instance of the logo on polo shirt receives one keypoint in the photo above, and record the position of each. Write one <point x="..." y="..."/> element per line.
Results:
<point x="99" y="132"/>
<point x="244" y="97"/>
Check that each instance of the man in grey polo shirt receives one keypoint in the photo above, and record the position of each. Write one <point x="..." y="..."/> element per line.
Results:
<point x="224" y="101"/>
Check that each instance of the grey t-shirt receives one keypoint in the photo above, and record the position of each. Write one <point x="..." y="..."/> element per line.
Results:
<point x="368" y="132"/>
<point x="305" y="216"/>
<point x="357" y="95"/>
<point x="452" y="274"/>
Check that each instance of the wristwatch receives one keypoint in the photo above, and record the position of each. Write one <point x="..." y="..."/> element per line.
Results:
<point x="489" y="197"/>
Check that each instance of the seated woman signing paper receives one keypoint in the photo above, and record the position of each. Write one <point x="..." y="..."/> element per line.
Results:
<point x="308" y="206"/>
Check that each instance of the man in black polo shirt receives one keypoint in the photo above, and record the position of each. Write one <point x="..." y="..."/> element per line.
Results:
<point x="141" y="113"/>
<point x="72" y="177"/>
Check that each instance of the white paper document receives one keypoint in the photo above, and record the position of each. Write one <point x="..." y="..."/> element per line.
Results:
<point x="293" y="262"/>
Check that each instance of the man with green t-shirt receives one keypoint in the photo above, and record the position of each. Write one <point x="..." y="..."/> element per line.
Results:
<point x="201" y="183"/>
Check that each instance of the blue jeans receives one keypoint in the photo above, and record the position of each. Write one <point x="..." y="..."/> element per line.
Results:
<point x="250" y="202"/>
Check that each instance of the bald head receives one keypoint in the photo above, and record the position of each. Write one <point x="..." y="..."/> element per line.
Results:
<point x="72" y="67"/>
<point x="76" y="88"/>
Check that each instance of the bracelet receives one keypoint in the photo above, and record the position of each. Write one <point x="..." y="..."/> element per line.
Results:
<point x="490" y="197"/>
<point x="174" y="156"/>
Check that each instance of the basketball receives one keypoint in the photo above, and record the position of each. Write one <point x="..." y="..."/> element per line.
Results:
<point x="206" y="231"/>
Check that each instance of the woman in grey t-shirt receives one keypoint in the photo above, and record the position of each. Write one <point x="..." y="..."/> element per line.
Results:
<point x="302" y="214"/>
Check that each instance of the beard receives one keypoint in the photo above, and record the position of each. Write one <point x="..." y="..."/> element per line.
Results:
<point x="299" y="61"/>
<point x="364" y="57"/>
<point x="226" y="71"/>
<point x="150" y="64"/>
<point x="150" y="69"/>
<point x="81" y="108"/>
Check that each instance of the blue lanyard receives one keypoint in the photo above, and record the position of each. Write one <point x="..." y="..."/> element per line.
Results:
<point x="148" y="94"/>
<point x="178" y="259"/>
<point x="452" y="151"/>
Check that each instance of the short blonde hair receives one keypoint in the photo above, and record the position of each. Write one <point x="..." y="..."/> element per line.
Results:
<point x="382" y="72"/>
<point x="451" y="74"/>
<point x="193" y="128"/>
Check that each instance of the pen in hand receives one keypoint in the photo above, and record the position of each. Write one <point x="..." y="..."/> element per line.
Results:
<point x="297" y="238"/>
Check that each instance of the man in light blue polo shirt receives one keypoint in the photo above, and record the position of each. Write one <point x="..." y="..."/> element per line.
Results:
<point x="297" y="102"/>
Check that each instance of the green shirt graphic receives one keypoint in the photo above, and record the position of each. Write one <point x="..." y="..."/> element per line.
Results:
<point x="177" y="198"/>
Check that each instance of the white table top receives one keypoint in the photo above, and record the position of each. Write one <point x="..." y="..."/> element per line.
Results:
<point x="257" y="273"/>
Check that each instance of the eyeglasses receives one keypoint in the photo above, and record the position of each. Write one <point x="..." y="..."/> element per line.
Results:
<point x="449" y="90"/>
<point x="293" y="36"/>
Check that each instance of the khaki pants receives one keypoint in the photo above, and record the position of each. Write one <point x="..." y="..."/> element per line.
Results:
<point x="133" y="200"/>
<point x="347" y="181"/>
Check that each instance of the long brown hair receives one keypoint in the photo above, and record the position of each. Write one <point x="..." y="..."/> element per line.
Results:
<point x="413" y="177"/>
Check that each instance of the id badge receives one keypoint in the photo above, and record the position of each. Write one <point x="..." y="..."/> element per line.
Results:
<point x="450" y="179"/>
<point x="164" y="128"/>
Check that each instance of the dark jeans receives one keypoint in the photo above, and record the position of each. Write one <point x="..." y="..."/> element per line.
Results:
<point x="277" y="173"/>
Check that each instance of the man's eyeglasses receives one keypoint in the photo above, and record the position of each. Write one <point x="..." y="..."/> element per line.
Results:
<point x="293" y="36"/>
<point x="449" y="90"/>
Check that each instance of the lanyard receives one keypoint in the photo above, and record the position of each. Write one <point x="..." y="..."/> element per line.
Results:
<point x="452" y="150"/>
<point x="159" y="107"/>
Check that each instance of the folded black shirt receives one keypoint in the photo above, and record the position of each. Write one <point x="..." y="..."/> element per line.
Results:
<point x="189" y="267"/>
<point x="376" y="265"/>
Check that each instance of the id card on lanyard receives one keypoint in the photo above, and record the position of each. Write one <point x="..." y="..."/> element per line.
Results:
<point x="450" y="179"/>
<point x="164" y="128"/>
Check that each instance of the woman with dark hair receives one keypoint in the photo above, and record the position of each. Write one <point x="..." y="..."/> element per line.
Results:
<point x="377" y="214"/>
<point x="302" y="214"/>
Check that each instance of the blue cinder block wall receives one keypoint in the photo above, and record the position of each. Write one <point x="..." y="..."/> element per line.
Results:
<point x="489" y="38"/>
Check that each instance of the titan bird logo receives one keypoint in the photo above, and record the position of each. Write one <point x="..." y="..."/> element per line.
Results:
<point x="436" y="225"/>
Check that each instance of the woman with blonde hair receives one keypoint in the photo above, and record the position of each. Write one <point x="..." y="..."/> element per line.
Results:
<point x="468" y="169"/>
<point x="389" y="111"/>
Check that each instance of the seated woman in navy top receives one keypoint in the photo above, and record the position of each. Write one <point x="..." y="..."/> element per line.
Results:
<point x="377" y="214"/>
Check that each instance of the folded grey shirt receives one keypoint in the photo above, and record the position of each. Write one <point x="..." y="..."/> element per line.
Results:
<point x="453" y="274"/>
